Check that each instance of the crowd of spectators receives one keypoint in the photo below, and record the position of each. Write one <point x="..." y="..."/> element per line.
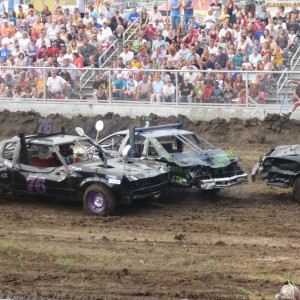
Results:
<point x="169" y="56"/>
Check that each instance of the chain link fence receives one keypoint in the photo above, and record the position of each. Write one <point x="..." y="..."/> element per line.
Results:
<point x="169" y="86"/>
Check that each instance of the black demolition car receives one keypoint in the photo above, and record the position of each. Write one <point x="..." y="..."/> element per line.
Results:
<point x="280" y="167"/>
<point x="46" y="164"/>
<point x="192" y="160"/>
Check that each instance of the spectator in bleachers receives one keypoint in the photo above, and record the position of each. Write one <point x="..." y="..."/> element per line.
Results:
<point x="4" y="51"/>
<point x="175" y="13"/>
<point x="212" y="49"/>
<point x="55" y="84"/>
<point x="168" y="91"/>
<point x="143" y="90"/>
<point x="119" y="87"/>
<point x="144" y="16"/>
<point x="211" y="63"/>
<point x="157" y="88"/>
<point x="216" y="8"/>
<point x="107" y="11"/>
<point x="278" y="55"/>
<point x="130" y="92"/>
<point x="241" y="43"/>
<point x="271" y="28"/>
<point x="204" y="58"/>
<point x="181" y="32"/>
<point x="238" y="58"/>
<point x="186" y="90"/>
<point x="295" y="12"/>
<point x="228" y="93"/>
<point x="133" y="17"/>
<point x="221" y="58"/>
<point x="155" y="15"/>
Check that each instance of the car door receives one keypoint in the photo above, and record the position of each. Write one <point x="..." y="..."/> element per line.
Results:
<point x="35" y="176"/>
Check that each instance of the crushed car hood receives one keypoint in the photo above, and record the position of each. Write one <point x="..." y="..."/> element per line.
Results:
<point x="286" y="150"/>
<point x="216" y="158"/>
<point x="140" y="169"/>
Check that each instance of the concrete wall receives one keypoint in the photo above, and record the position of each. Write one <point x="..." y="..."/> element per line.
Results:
<point x="193" y="112"/>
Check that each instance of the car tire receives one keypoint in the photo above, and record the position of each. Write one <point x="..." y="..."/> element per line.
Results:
<point x="296" y="189"/>
<point x="211" y="192"/>
<point x="98" y="199"/>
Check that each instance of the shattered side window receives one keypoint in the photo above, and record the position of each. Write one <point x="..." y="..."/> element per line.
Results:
<point x="195" y="142"/>
<point x="9" y="150"/>
<point x="157" y="149"/>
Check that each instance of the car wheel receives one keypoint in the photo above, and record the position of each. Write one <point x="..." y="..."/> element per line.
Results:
<point x="211" y="192"/>
<point x="296" y="189"/>
<point x="99" y="200"/>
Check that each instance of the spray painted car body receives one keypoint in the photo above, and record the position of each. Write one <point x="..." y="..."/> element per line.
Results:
<point x="280" y="167"/>
<point x="34" y="165"/>
<point x="192" y="160"/>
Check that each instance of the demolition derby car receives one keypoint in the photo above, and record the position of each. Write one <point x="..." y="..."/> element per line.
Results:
<point x="280" y="167"/>
<point x="45" y="164"/>
<point x="192" y="160"/>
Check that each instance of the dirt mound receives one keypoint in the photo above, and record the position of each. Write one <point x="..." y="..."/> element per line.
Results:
<point x="273" y="130"/>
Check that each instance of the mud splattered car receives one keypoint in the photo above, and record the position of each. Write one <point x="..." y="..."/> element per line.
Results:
<point x="192" y="160"/>
<point x="280" y="167"/>
<point x="45" y="164"/>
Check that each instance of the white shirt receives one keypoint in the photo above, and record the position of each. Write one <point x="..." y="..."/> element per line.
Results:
<point x="156" y="16"/>
<point x="19" y="35"/>
<point x="127" y="56"/>
<point x="51" y="33"/>
<point x="213" y="50"/>
<point x="223" y="32"/>
<point x="39" y="43"/>
<point x="101" y="20"/>
<point x="87" y="20"/>
<point x="209" y="20"/>
<point x="106" y="32"/>
<point x="9" y="42"/>
<point x="55" y="84"/>
<point x="168" y="90"/>
<point x="69" y="56"/>
<point x="24" y="43"/>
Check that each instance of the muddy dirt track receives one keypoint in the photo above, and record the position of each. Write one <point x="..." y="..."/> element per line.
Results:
<point x="241" y="244"/>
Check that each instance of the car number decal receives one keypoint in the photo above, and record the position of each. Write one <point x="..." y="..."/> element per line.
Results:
<point x="45" y="126"/>
<point x="8" y="163"/>
<point x="36" y="184"/>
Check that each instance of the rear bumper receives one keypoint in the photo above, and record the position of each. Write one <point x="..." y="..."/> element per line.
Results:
<point x="208" y="184"/>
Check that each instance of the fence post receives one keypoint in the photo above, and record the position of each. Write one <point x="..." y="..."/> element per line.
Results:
<point x="247" y="90"/>
<point x="45" y="85"/>
<point x="176" y="89"/>
<point x="109" y="87"/>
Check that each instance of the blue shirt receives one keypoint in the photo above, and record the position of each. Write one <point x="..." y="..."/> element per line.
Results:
<point x="157" y="86"/>
<point x="176" y="12"/>
<point x="132" y="17"/>
<point x="189" y="11"/>
<point x="119" y="85"/>
<point x="4" y="53"/>
<point x="258" y="35"/>
<point x="97" y="25"/>
<point x="196" y="25"/>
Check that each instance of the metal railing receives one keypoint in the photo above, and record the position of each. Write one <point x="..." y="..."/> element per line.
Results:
<point x="130" y="31"/>
<point x="86" y="76"/>
<point x="280" y="85"/>
<point x="294" y="62"/>
<point x="295" y="59"/>
<point x="113" y="48"/>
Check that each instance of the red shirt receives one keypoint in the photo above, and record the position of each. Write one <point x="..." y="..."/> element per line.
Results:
<point x="53" y="51"/>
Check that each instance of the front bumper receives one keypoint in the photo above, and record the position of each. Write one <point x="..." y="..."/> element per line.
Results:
<point x="209" y="184"/>
<point x="147" y="192"/>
